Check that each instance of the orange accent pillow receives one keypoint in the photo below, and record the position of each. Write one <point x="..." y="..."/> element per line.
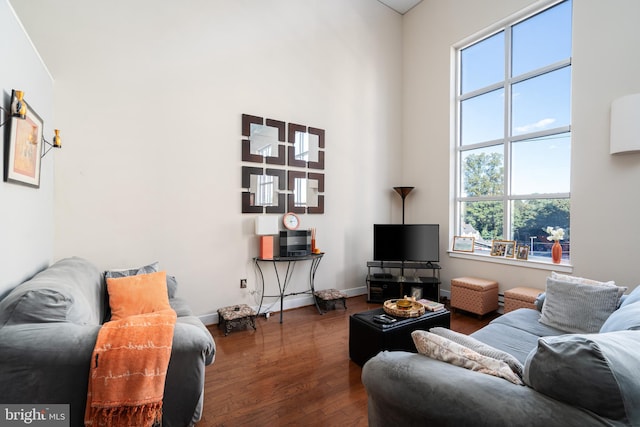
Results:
<point x="144" y="293"/>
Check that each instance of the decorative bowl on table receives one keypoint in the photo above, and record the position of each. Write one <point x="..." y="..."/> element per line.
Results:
<point x="403" y="308"/>
<point x="404" y="304"/>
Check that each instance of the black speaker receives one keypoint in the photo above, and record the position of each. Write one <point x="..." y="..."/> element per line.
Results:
<point x="295" y="243"/>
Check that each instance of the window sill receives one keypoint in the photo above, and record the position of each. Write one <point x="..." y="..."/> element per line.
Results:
<point x="537" y="263"/>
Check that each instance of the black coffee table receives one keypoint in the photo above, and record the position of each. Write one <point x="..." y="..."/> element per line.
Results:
<point x="367" y="338"/>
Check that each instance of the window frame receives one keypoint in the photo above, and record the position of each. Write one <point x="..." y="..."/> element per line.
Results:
<point x="506" y="198"/>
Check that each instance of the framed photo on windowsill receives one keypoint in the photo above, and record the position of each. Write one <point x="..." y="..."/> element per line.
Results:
<point x="463" y="243"/>
<point x="522" y="253"/>
<point x="503" y="248"/>
<point x="23" y="151"/>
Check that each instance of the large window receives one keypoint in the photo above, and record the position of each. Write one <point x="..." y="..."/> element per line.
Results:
<point x="513" y="139"/>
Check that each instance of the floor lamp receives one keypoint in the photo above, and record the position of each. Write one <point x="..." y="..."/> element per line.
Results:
<point x="403" y="192"/>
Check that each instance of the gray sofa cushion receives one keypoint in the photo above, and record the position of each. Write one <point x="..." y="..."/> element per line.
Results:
<point x="624" y="318"/>
<point x="632" y="298"/>
<point x="68" y="291"/>
<point x="597" y="372"/>
<point x="576" y="307"/>
<point x="516" y="333"/>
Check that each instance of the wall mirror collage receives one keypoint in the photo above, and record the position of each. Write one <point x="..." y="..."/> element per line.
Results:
<point x="290" y="174"/>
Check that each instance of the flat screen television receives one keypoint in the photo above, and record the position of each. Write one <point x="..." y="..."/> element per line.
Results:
<point x="406" y="242"/>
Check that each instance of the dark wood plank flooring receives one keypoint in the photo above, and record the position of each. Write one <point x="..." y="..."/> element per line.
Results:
<point x="294" y="373"/>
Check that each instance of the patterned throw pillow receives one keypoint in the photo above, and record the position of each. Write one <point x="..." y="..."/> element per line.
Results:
<point x="440" y="348"/>
<point x="480" y="347"/>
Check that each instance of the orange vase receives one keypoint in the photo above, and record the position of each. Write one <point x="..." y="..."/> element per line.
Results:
<point x="556" y="253"/>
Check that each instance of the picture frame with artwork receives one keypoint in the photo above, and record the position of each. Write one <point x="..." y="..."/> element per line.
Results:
<point x="463" y="243"/>
<point x="503" y="248"/>
<point x="23" y="149"/>
<point x="522" y="253"/>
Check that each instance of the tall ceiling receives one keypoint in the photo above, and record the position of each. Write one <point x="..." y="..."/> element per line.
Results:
<point x="400" y="6"/>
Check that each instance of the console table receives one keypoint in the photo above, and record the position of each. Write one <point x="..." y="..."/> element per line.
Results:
<point x="290" y="262"/>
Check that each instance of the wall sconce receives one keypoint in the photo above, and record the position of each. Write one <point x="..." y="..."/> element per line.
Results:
<point x="17" y="107"/>
<point x="18" y="110"/>
<point x="266" y="227"/>
<point x="625" y="124"/>
<point x="47" y="146"/>
<point x="403" y="192"/>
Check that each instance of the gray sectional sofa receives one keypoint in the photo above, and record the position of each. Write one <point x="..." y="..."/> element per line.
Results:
<point x="48" y="329"/>
<point x="571" y="378"/>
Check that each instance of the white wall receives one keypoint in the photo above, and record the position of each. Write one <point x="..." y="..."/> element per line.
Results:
<point x="605" y="206"/>
<point x="149" y="97"/>
<point x="26" y="213"/>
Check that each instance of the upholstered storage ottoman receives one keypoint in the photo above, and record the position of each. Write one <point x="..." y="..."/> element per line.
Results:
<point x="236" y="316"/>
<point x="520" y="298"/>
<point x="479" y="296"/>
<point x="368" y="338"/>
<point x="327" y="298"/>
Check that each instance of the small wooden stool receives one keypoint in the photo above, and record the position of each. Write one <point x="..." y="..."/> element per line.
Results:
<point x="479" y="296"/>
<point x="521" y="297"/>
<point x="235" y="316"/>
<point x="326" y="299"/>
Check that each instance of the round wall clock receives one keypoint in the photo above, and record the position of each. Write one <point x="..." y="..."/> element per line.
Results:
<point x="291" y="221"/>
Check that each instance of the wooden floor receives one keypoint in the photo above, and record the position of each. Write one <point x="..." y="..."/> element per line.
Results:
<point x="294" y="373"/>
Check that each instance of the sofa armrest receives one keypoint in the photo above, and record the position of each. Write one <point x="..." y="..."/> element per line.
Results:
<point x="191" y="335"/>
<point x="409" y="389"/>
<point x="57" y="344"/>
<point x="47" y="363"/>
<point x="193" y="349"/>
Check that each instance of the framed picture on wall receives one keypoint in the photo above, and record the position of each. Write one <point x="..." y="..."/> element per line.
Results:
<point x="24" y="147"/>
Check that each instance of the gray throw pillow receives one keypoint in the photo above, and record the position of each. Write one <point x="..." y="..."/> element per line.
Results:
<point x="539" y="302"/>
<point x="597" y="372"/>
<point x="632" y="298"/>
<point x="586" y="281"/>
<point x="172" y="286"/>
<point x="480" y="347"/>
<point x="625" y="318"/>
<point x="578" y="308"/>
<point x="145" y="269"/>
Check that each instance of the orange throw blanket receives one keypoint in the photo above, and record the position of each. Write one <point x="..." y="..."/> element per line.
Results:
<point x="128" y="370"/>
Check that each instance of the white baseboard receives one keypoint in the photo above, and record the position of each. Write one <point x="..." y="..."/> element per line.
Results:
<point x="289" y="303"/>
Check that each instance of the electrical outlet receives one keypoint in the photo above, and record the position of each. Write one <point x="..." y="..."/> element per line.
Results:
<point x="243" y="283"/>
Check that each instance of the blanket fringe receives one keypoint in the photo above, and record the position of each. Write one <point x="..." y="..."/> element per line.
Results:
<point x="147" y="415"/>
